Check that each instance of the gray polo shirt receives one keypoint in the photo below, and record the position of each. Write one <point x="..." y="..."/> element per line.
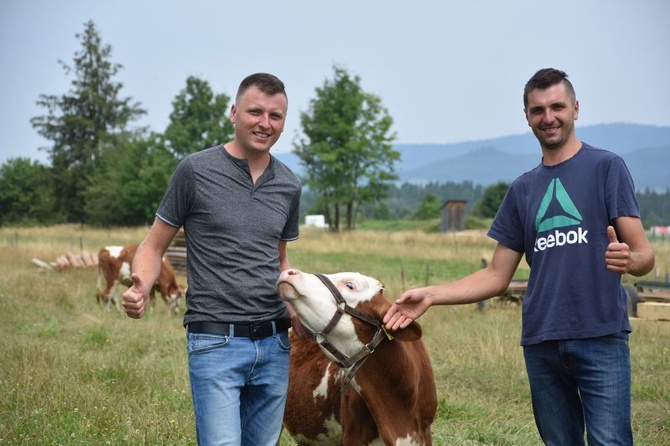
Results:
<point x="232" y="230"/>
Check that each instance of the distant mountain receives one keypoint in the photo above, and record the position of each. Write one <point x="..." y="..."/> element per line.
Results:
<point x="646" y="150"/>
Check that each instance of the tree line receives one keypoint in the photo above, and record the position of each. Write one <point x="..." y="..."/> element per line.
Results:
<point x="105" y="172"/>
<point x="411" y="201"/>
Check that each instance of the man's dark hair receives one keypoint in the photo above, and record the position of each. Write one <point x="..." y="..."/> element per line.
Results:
<point x="267" y="83"/>
<point x="545" y="78"/>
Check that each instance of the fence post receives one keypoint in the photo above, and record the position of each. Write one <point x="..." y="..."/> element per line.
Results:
<point x="481" y="305"/>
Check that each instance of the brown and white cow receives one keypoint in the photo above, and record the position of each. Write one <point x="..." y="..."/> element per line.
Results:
<point x="391" y="398"/>
<point x="114" y="263"/>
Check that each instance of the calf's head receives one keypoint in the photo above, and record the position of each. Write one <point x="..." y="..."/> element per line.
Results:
<point x="315" y="305"/>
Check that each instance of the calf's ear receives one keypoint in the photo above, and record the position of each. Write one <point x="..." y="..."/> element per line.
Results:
<point x="410" y="333"/>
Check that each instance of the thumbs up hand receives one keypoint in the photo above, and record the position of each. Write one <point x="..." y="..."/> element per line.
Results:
<point x="135" y="298"/>
<point x="617" y="256"/>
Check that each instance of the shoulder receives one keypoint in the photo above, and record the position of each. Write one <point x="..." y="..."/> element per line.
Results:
<point x="595" y="153"/>
<point x="205" y="155"/>
<point x="282" y="171"/>
<point x="203" y="160"/>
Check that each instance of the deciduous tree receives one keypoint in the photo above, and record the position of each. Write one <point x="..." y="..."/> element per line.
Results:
<point x="346" y="149"/>
<point x="25" y="193"/>
<point x="199" y="119"/>
<point x="493" y="196"/>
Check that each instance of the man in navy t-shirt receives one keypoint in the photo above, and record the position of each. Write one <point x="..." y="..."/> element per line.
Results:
<point x="576" y="219"/>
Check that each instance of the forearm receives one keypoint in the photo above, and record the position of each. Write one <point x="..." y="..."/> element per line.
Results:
<point x="476" y="287"/>
<point x="642" y="262"/>
<point x="283" y="257"/>
<point x="147" y="263"/>
<point x="148" y="259"/>
<point x="629" y="250"/>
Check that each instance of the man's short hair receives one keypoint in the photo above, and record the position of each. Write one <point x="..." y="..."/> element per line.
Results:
<point x="267" y="83"/>
<point x="545" y="78"/>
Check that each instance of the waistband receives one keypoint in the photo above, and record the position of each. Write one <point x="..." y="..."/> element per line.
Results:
<point x="254" y="331"/>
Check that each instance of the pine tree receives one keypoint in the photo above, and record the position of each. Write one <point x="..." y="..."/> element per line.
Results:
<point x="84" y="122"/>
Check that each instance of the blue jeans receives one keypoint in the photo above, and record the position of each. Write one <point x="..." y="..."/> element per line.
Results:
<point x="580" y="383"/>
<point x="239" y="388"/>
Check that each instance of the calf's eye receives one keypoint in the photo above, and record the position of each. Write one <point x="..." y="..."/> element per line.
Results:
<point x="349" y="285"/>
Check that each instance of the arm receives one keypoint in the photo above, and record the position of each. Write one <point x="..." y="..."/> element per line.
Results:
<point x="298" y="329"/>
<point x="283" y="257"/>
<point x="147" y="267"/>
<point x="633" y="254"/>
<point x="480" y="285"/>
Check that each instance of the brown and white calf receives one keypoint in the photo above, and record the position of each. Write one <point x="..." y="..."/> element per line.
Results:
<point x="390" y="398"/>
<point x="114" y="268"/>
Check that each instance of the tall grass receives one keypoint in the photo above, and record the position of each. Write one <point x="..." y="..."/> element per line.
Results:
<point x="73" y="374"/>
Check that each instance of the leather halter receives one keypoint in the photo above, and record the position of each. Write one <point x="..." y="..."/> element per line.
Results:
<point x="354" y="362"/>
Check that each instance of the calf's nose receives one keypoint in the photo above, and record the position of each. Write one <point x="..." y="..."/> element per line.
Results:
<point x="286" y="273"/>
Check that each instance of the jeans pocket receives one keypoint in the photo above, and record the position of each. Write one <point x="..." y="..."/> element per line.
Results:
<point x="283" y="340"/>
<point x="619" y="338"/>
<point x="201" y="343"/>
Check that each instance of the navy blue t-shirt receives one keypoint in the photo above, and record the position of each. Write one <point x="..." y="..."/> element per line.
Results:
<point x="558" y="217"/>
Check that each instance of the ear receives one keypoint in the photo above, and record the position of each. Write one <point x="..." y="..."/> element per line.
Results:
<point x="410" y="333"/>
<point x="525" y="115"/>
<point x="233" y="110"/>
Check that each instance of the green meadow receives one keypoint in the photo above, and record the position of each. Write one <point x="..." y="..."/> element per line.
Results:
<point x="73" y="374"/>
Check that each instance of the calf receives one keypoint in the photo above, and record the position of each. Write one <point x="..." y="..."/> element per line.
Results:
<point x="356" y="385"/>
<point x="114" y="264"/>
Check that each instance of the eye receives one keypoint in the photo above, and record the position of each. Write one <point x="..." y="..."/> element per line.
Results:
<point x="349" y="285"/>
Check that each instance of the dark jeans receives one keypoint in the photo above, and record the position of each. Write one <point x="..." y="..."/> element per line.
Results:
<point x="581" y="383"/>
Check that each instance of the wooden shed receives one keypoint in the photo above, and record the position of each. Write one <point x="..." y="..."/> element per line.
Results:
<point x="453" y="216"/>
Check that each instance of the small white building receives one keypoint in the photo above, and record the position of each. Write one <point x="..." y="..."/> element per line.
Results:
<point x="660" y="230"/>
<point x="315" y="221"/>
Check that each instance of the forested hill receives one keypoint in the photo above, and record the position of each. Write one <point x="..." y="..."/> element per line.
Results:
<point x="646" y="150"/>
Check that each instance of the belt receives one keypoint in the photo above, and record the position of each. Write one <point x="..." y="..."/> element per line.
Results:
<point x="253" y="331"/>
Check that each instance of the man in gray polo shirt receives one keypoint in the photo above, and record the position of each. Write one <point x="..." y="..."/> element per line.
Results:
<point x="239" y="208"/>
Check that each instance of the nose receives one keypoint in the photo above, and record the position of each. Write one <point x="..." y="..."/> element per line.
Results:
<point x="264" y="120"/>
<point x="548" y="116"/>
<point x="288" y="272"/>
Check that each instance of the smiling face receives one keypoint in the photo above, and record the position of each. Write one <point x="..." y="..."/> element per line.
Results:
<point x="551" y="114"/>
<point x="259" y="120"/>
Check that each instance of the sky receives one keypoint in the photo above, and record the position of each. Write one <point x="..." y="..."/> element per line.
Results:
<point x="446" y="70"/>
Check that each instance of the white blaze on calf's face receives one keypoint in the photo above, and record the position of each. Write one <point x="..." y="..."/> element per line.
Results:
<point x="114" y="251"/>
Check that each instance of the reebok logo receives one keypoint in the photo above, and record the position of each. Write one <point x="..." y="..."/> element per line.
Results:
<point x="570" y="216"/>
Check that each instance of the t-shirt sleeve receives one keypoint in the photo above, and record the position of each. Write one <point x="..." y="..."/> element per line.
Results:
<point x="621" y="200"/>
<point x="179" y="195"/>
<point x="292" y="227"/>
<point x="507" y="228"/>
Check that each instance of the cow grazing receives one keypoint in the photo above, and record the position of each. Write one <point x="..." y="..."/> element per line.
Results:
<point x="114" y="264"/>
<point x="382" y="391"/>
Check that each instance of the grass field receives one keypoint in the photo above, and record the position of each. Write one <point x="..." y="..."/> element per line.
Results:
<point x="71" y="374"/>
